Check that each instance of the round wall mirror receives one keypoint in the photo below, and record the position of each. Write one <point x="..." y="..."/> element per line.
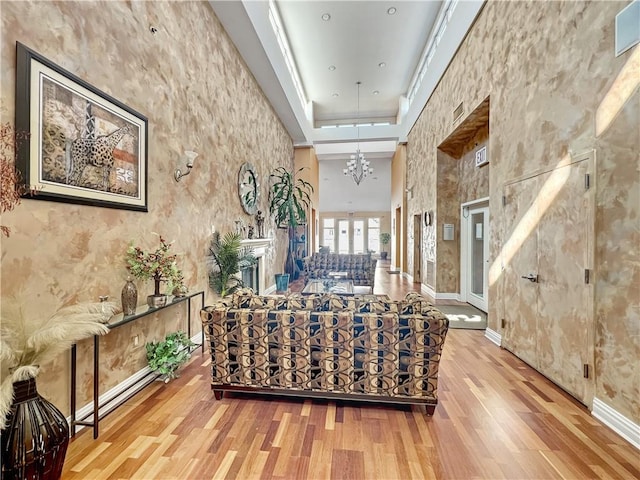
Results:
<point x="248" y="188"/>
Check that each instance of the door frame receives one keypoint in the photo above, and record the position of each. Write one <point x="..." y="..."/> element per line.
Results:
<point x="480" y="204"/>
<point x="417" y="248"/>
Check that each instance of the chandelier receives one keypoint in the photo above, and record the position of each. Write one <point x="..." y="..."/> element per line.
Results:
<point x="357" y="166"/>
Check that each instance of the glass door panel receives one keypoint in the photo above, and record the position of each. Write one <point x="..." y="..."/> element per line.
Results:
<point x="477" y="254"/>
<point x="343" y="236"/>
<point x="358" y="236"/>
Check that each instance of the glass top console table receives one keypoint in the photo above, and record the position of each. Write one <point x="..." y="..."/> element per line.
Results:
<point x="124" y="395"/>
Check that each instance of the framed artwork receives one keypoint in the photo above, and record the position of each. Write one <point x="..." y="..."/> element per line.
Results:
<point x="84" y="146"/>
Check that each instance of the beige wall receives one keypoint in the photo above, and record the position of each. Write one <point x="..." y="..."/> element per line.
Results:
<point x="191" y="83"/>
<point x="398" y="246"/>
<point x="556" y="90"/>
<point x="459" y="181"/>
<point x="305" y="158"/>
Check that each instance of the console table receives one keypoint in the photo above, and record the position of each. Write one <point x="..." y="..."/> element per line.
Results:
<point x="115" y="322"/>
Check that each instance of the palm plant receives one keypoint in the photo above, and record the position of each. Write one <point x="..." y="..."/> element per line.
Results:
<point x="226" y="258"/>
<point x="26" y="342"/>
<point x="289" y="200"/>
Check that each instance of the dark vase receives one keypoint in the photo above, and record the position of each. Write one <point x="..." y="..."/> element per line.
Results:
<point x="35" y="441"/>
<point x="129" y="298"/>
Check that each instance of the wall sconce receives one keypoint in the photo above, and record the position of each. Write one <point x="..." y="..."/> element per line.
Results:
<point x="190" y="157"/>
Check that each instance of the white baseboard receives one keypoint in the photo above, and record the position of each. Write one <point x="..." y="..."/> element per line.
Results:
<point x="119" y="390"/>
<point x="448" y="296"/>
<point x="617" y="422"/>
<point x="407" y="276"/>
<point x="133" y="383"/>
<point x="269" y="290"/>
<point x="494" y="336"/>
<point x="427" y="290"/>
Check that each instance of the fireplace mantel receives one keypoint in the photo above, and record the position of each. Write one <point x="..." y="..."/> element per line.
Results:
<point x="257" y="242"/>
<point x="259" y="247"/>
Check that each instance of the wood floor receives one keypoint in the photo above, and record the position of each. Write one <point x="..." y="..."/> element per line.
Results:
<point x="496" y="418"/>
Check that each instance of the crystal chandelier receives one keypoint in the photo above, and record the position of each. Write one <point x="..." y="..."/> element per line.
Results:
<point x="357" y="166"/>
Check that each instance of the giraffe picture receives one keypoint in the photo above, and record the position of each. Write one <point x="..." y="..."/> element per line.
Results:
<point x="84" y="146"/>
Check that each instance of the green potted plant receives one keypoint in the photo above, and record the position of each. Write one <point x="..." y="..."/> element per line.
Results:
<point x="226" y="258"/>
<point x="385" y="238"/>
<point x="167" y="356"/>
<point x="289" y="200"/>
<point x="26" y="343"/>
<point x="159" y="265"/>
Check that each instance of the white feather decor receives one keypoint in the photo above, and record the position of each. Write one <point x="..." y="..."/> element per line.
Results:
<point x="27" y="343"/>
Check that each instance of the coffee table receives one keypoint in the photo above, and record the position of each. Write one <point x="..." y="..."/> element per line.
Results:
<point x="328" y="285"/>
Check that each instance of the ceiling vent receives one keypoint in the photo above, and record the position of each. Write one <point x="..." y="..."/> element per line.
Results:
<point x="457" y="113"/>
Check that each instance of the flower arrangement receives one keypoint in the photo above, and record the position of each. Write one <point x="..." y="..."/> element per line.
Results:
<point x="11" y="186"/>
<point x="27" y="343"/>
<point x="159" y="265"/>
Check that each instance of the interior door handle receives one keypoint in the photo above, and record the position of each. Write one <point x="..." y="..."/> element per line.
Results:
<point x="532" y="277"/>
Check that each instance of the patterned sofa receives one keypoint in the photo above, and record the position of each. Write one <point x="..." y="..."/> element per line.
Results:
<point x="361" y="268"/>
<point x="356" y="347"/>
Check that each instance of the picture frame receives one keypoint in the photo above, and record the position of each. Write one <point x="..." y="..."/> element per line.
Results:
<point x="84" y="146"/>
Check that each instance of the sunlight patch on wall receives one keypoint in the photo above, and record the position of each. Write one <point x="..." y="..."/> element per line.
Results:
<point x="531" y="218"/>
<point x="623" y="87"/>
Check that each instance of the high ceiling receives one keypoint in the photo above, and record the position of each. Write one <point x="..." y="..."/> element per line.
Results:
<point x="385" y="45"/>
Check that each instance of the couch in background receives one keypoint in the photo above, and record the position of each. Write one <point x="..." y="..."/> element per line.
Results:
<point x="360" y="268"/>
<point x="355" y="347"/>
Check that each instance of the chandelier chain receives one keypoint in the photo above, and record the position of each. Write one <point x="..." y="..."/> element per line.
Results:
<point x="357" y="166"/>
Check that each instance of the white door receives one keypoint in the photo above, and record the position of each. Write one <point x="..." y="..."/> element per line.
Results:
<point x="475" y="254"/>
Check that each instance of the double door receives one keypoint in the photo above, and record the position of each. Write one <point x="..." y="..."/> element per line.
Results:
<point x="547" y="288"/>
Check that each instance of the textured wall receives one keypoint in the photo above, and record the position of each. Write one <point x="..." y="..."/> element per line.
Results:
<point x="556" y="89"/>
<point x="398" y="201"/>
<point x="459" y="181"/>
<point x="197" y="93"/>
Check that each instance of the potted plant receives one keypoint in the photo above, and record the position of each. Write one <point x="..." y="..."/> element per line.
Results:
<point x="289" y="199"/>
<point x="159" y="265"/>
<point x="226" y="258"/>
<point x="25" y="344"/>
<point x="385" y="238"/>
<point x="167" y="356"/>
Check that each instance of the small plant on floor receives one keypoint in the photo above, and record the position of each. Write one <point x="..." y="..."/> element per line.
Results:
<point x="167" y="356"/>
<point x="385" y="238"/>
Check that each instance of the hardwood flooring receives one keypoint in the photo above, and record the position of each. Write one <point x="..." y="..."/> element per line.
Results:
<point x="496" y="419"/>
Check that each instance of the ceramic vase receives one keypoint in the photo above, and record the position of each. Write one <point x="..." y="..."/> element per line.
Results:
<point x="34" y="444"/>
<point x="129" y="297"/>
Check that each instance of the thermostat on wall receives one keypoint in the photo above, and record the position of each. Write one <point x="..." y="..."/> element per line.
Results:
<point x="481" y="157"/>
<point x="447" y="231"/>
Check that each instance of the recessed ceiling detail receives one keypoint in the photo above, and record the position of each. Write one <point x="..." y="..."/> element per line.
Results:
<point x="289" y="52"/>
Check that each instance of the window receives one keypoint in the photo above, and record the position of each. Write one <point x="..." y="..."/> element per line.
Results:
<point x="328" y="233"/>
<point x="343" y="236"/>
<point x="358" y="236"/>
<point x="374" y="234"/>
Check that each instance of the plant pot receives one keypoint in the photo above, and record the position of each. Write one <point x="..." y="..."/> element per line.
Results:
<point x="282" y="282"/>
<point x="383" y="255"/>
<point x="156" y="301"/>
<point x="34" y="444"/>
